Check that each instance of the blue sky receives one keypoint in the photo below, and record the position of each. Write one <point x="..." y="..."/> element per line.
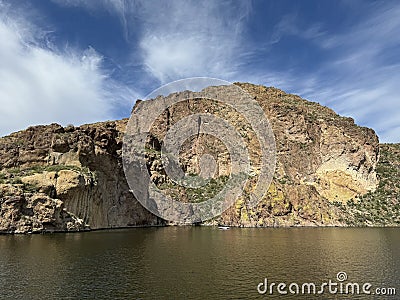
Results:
<point x="76" y="61"/>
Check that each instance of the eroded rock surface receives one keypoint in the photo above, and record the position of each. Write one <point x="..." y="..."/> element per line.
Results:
<point x="77" y="174"/>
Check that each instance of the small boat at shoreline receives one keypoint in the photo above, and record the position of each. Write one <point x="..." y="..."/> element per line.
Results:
<point x="224" y="227"/>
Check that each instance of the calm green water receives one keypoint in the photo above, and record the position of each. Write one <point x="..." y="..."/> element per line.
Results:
<point x="194" y="262"/>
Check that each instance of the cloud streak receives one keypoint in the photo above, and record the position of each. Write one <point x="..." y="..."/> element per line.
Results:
<point x="193" y="38"/>
<point x="358" y="78"/>
<point x="40" y="85"/>
<point x="361" y="63"/>
<point x="179" y="39"/>
<point x="289" y="25"/>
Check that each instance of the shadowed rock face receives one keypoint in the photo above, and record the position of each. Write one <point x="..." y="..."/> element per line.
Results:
<point x="58" y="179"/>
<point x="77" y="170"/>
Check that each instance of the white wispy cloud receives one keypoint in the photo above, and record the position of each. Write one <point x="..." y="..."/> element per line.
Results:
<point x="193" y="38"/>
<point x="363" y="62"/>
<point x="289" y="25"/>
<point x="179" y="39"/>
<point x="40" y="85"/>
<point x="360" y="76"/>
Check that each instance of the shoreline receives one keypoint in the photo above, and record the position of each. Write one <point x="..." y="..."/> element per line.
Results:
<point x="186" y="226"/>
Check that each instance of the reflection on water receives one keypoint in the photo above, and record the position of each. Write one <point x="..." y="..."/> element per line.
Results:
<point x="193" y="262"/>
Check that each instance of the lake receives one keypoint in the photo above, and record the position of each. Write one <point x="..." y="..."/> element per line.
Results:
<point x="199" y="263"/>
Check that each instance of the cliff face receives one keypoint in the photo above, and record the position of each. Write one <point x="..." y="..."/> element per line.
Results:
<point x="382" y="206"/>
<point x="322" y="159"/>
<point x="54" y="178"/>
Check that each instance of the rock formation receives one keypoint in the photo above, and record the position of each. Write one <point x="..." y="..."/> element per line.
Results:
<point x="59" y="179"/>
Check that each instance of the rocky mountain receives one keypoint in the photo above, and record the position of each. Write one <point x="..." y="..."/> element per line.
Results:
<point x="56" y="178"/>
